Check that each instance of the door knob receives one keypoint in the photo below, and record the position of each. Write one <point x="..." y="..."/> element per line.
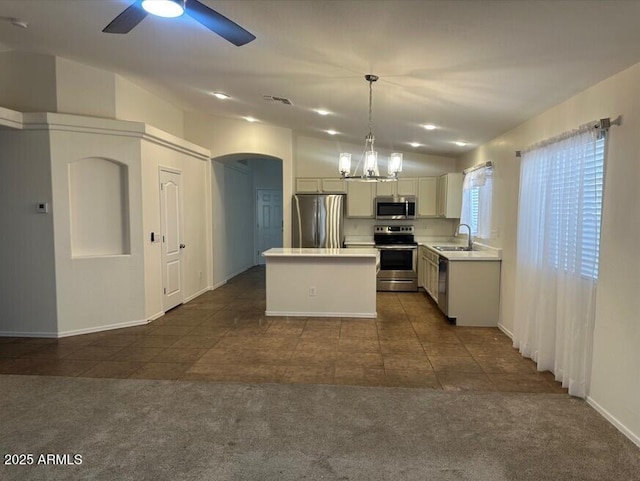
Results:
<point x="182" y="246"/>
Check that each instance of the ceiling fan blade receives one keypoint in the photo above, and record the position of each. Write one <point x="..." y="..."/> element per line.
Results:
<point x="129" y="18"/>
<point x="217" y="23"/>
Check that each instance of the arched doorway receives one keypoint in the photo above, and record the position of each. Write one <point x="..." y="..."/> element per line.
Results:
<point x="246" y="210"/>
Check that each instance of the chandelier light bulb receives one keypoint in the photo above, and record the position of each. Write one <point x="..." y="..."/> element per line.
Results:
<point x="344" y="163"/>
<point x="395" y="163"/>
<point x="371" y="163"/>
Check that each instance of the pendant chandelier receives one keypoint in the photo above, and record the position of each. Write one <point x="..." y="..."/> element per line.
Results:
<point x="369" y="159"/>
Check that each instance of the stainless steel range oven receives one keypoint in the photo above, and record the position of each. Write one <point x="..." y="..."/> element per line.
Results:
<point x="398" y="258"/>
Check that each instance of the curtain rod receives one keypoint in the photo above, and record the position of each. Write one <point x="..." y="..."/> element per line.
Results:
<point x="603" y="124"/>
<point x="478" y="166"/>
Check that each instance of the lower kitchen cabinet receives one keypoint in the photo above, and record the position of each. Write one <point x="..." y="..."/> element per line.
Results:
<point x="428" y="272"/>
<point x="474" y="292"/>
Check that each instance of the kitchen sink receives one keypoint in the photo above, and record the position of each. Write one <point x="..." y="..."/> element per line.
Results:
<point x="451" y="248"/>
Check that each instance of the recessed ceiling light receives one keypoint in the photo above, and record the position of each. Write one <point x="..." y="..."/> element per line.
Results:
<point x="460" y="143"/>
<point x="322" y="112"/>
<point x="251" y="119"/>
<point x="430" y="127"/>
<point x="332" y="132"/>
<point x="414" y="144"/>
<point x="221" y="95"/>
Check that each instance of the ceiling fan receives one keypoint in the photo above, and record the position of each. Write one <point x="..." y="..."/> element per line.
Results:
<point x="214" y="21"/>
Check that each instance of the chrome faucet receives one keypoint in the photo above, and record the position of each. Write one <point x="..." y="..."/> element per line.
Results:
<point x="470" y="244"/>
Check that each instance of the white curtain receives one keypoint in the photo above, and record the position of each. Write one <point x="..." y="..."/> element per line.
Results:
<point x="556" y="270"/>
<point x="477" y="195"/>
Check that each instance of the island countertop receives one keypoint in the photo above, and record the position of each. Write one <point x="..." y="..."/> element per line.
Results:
<point x="319" y="252"/>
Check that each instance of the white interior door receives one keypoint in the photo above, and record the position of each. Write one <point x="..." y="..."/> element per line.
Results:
<point x="269" y="220"/>
<point x="172" y="246"/>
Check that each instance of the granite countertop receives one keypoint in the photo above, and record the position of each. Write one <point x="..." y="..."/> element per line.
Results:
<point x="319" y="252"/>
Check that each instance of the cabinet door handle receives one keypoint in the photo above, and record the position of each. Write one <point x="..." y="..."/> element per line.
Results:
<point x="182" y="246"/>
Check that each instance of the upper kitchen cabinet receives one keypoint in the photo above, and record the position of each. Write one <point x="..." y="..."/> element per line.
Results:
<point x="401" y="187"/>
<point x="360" y="199"/>
<point x="320" y="186"/>
<point x="449" y="197"/>
<point x="427" y="197"/>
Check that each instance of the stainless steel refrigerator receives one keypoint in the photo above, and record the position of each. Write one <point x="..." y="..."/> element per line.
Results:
<point x="318" y="220"/>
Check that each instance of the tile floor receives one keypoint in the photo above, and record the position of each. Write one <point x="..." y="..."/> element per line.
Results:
<point x="223" y="335"/>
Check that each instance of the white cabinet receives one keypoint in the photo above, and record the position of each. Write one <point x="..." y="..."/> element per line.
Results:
<point x="428" y="271"/>
<point x="317" y="186"/>
<point x="422" y="267"/>
<point x="360" y="199"/>
<point x="311" y="186"/>
<point x="474" y="292"/>
<point x="449" y="200"/>
<point x="401" y="187"/>
<point x="333" y="186"/>
<point x="428" y="197"/>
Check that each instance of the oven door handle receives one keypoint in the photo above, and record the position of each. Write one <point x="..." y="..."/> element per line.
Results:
<point x="396" y="247"/>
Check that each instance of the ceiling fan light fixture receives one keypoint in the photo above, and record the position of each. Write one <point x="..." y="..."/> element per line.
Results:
<point x="164" y="8"/>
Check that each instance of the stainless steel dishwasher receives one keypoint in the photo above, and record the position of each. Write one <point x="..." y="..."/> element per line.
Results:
<point x="443" y="285"/>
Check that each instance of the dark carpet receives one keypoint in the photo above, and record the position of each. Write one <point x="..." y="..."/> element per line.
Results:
<point x="163" y="430"/>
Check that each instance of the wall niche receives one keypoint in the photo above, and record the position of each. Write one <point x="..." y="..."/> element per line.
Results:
<point x="99" y="207"/>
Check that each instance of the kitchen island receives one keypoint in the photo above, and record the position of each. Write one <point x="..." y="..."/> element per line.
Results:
<point x="312" y="282"/>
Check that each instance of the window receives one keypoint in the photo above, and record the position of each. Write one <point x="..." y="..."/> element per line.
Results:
<point x="576" y="192"/>
<point x="477" y="193"/>
<point x="559" y="212"/>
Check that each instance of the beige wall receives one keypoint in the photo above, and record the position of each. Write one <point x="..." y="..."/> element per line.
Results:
<point x="27" y="276"/>
<point x="28" y="82"/>
<point x="84" y="90"/>
<point x="226" y="137"/>
<point x="135" y="103"/>
<point x="98" y="292"/>
<point x="615" y="385"/>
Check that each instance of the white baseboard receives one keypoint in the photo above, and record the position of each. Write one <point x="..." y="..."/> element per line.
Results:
<point x="219" y="284"/>
<point x="366" y="315"/>
<point x="635" y="438"/>
<point x="156" y="316"/>
<point x="506" y="331"/>
<point x="199" y="293"/>
<point x="28" y="334"/>
<point x="108" y="327"/>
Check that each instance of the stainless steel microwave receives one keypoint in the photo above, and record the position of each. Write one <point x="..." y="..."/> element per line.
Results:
<point x="395" y="207"/>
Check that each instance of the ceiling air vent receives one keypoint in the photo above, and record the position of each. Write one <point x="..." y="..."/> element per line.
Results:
<point x="282" y="100"/>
